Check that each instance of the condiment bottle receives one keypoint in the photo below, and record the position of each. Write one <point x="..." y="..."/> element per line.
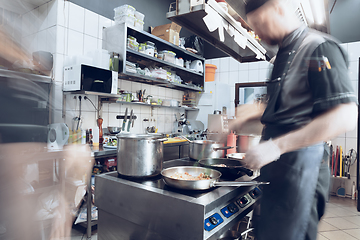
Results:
<point x="231" y="142"/>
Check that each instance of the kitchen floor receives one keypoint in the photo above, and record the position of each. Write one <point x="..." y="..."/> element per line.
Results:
<point x="340" y="222"/>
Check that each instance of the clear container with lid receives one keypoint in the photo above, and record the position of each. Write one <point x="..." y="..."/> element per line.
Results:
<point x="139" y="24"/>
<point x="169" y="56"/>
<point x="150" y="50"/>
<point x="142" y="47"/>
<point x="148" y="43"/>
<point x="129" y="19"/>
<point x="139" y="15"/>
<point x="124" y="10"/>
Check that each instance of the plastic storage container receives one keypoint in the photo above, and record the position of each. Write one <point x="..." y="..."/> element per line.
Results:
<point x="139" y="15"/>
<point x="132" y="43"/>
<point x="180" y="62"/>
<point x="124" y="10"/>
<point x="129" y="19"/>
<point x="150" y="48"/>
<point x="142" y="47"/>
<point x="139" y="24"/>
<point x="169" y="56"/>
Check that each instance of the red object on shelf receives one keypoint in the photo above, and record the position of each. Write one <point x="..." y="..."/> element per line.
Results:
<point x="231" y="142"/>
<point x="336" y="160"/>
<point x="220" y="0"/>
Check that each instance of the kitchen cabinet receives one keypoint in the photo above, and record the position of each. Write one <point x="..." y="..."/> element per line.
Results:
<point x="115" y="40"/>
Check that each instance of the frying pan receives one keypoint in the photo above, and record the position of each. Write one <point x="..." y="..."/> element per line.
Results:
<point x="232" y="170"/>
<point x="199" y="184"/>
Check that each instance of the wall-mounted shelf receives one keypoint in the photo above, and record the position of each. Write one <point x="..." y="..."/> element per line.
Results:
<point x="115" y="40"/>
<point x="159" y="82"/>
<point x="104" y="100"/>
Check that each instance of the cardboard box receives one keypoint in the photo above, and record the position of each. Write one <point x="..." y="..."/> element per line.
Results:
<point x="169" y="32"/>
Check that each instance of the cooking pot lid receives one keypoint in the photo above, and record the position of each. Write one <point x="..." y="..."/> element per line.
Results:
<point x="138" y="136"/>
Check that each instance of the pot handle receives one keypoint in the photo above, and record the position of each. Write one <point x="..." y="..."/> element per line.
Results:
<point x="236" y="184"/>
<point x="245" y="170"/>
<point x="159" y="140"/>
<point x="223" y="148"/>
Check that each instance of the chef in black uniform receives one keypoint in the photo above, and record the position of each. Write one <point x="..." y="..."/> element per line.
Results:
<point x="310" y="100"/>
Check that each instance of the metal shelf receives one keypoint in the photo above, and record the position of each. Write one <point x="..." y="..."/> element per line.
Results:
<point x="162" y="62"/>
<point x="152" y="105"/>
<point x="115" y="40"/>
<point x="160" y="82"/>
<point x="177" y="49"/>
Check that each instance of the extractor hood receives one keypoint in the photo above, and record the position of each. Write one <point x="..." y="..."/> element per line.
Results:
<point x="228" y="30"/>
<point x="208" y="20"/>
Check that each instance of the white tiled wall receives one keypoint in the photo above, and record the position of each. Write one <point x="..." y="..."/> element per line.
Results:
<point x="230" y="71"/>
<point x="66" y="29"/>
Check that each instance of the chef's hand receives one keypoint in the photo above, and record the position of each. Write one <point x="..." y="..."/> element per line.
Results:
<point x="244" y="113"/>
<point x="261" y="155"/>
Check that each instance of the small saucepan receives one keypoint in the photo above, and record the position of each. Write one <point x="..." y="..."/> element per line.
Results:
<point x="171" y="178"/>
<point x="114" y="130"/>
<point x="229" y="168"/>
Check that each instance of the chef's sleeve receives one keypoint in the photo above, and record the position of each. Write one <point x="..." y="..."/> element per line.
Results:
<point x="328" y="77"/>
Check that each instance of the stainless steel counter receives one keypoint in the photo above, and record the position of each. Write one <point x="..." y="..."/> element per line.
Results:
<point x="149" y="209"/>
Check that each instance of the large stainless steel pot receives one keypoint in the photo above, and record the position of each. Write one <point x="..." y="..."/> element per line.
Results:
<point x="201" y="149"/>
<point x="247" y="141"/>
<point x="139" y="155"/>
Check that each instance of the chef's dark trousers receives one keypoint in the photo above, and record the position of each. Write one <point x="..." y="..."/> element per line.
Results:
<point x="292" y="205"/>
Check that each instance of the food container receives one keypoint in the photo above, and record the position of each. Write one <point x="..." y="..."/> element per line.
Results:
<point x="170" y="103"/>
<point x="129" y="19"/>
<point x="142" y="47"/>
<point x="180" y="62"/>
<point x="160" y="56"/>
<point x="124" y="10"/>
<point x="169" y="56"/>
<point x="150" y="48"/>
<point x="139" y="15"/>
<point x="132" y="43"/>
<point x="139" y="24"/>
<point x="139" y="155"/>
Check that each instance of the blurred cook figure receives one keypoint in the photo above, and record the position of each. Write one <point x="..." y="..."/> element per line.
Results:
<point x="310" y="100"/>
<point x="34" y="204"/>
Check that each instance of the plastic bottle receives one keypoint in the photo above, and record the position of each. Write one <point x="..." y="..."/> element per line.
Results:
<point x="231" y="142"/>
<point x="96" y="136"/>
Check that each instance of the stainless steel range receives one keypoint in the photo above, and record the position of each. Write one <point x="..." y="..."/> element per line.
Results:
<point x="148" y="209"/>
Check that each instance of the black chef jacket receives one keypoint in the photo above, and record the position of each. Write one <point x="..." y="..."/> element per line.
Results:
<point x="316" y="81"/>
<point x="310" y="76"/>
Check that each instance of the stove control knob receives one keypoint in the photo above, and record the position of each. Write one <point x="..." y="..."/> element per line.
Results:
<point x="213" y="220"/>
<point x="232" y="208"/>
<point x="243" y="201"/>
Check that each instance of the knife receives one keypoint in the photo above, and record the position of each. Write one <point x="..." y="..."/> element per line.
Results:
<point x="130" y="120"/>
<point x="124" y="122"/>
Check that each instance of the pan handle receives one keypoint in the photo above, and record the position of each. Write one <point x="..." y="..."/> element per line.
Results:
<point x="236" y="184"/>
<point x="245" y="170"/>
<point x="223" y="148"/>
